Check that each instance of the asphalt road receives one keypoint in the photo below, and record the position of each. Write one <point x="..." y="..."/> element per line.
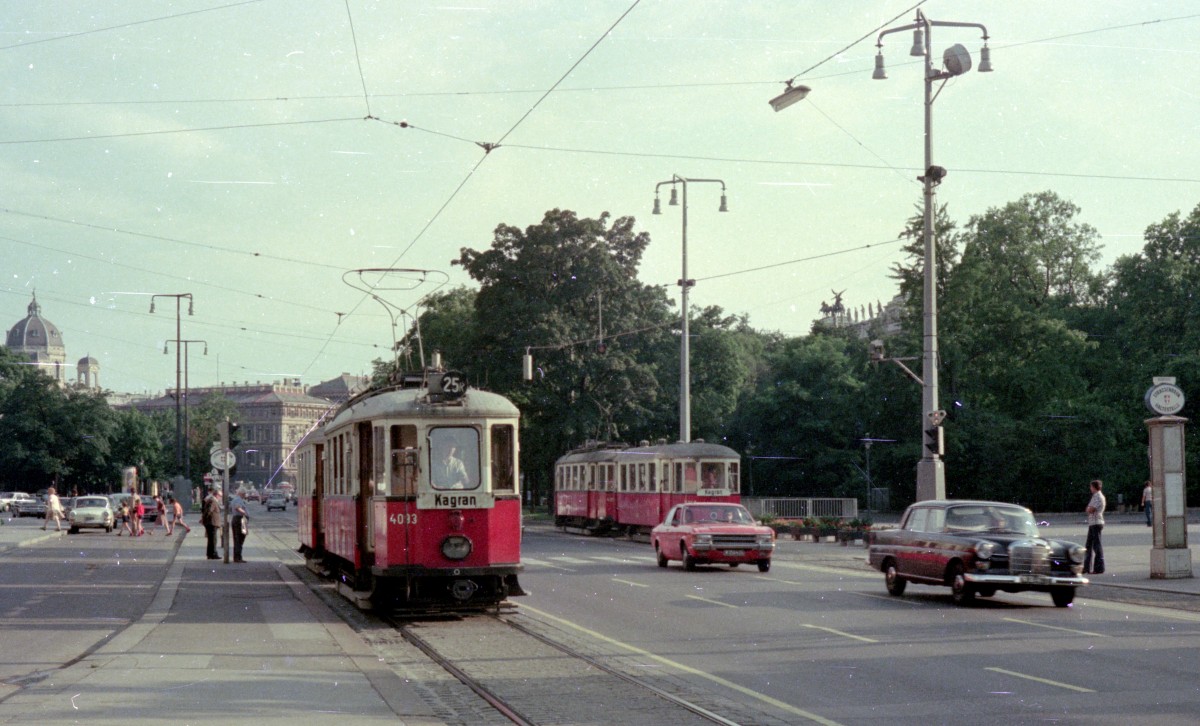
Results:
<point x="812" y="643"/>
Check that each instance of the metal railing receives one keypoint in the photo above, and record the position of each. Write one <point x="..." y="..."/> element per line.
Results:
<point x="801" y="507"/>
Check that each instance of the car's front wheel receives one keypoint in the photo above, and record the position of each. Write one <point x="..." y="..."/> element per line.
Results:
<point x="961" y="591"/>
<point x="764" y="565"/>
<point x="1062" y="596"/>
<point x="891" y="577"/>
<point x="689" y="562"/>
<point x="658" y="554"/>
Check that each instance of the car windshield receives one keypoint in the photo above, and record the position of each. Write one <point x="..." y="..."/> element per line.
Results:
<point x="991" y="518"/>
<point x="82" y="502"/>
<point x="717" y="514"/>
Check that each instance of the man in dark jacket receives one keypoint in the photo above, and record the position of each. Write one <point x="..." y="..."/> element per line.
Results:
<point x="211" y="518"/>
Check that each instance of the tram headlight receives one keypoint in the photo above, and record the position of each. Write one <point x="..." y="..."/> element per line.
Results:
<point x="456" y="547"/>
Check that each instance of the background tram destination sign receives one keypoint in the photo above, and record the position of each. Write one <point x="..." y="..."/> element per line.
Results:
<point x="222" y="459"/>
<point x="1165" y="399"/>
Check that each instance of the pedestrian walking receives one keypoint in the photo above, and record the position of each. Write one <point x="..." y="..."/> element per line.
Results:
<point x="1093" y="563"/>
<point x="240" y="526"/>
<point x="123" y="515"/>
<point x="1148" y="503"/>
<point x="160" y="512"/>
<point x="54" y="510"/>
<point x="210" y="517"/>
<point x="176" y="517"/>
<point x="137" y="510"/>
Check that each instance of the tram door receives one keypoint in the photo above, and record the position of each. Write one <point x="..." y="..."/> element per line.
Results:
<point x="401" y="518"/>
<point x="364" y="511"/>
<point x="317" y="496"/>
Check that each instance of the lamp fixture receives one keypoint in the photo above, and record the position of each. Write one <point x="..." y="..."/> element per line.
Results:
<point x="879" y="74"/>
<point x="918" y="46"/>
<point x="790" y="95"/>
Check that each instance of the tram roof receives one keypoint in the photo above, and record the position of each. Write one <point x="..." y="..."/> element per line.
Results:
<point x="677" y="450"/>
<point x="416" y="403"/>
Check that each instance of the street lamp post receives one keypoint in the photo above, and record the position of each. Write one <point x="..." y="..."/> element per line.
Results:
<point x="187" y="458"/>
<point x="685" y="376"/>
<point x="178" y="368"/>
<point x="931" y="474"/>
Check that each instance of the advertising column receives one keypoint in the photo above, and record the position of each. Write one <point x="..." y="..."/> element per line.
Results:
<point x="1170" y="557"/>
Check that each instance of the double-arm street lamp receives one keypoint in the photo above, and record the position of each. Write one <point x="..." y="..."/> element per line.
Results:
<point x="931" y="476"/>
<point x="179" y="459"/>
<point x="931" y="473"/>
<point x="685" y="376"/>
<point x="187" y="401"/>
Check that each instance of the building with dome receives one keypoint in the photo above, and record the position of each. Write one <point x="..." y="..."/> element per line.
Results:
<point x="41" y="342"/>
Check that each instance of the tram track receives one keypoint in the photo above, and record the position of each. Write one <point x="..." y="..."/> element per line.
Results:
<point x="527" y="676"/>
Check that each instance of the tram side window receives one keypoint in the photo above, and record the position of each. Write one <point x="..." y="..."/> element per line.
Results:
<point x="654" y="476"/>
<point x="691" y="477"/>
<point x="454" y="457"/>
<point x="405" y="462"/>
<point x="735" y="482"/>
<point x="504" y="479"/>
<point x="713" y="475"/>
<point x="379" y="459"/>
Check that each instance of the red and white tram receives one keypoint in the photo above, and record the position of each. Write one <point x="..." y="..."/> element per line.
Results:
<point x="608" y="488"/>
<point x="409" y="496"/>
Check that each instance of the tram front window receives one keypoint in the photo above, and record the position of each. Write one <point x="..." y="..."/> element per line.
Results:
<point x="454" y="458"/>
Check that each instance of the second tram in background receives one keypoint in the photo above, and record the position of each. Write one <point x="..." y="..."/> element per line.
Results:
<point x="607" y="488"/>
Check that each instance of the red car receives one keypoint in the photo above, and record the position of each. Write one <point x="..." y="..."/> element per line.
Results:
<point x="701" y="534"/>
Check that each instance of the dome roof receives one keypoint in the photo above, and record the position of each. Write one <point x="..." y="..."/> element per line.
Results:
<point x="88" y="361"/>
<point x="35" y="333"/>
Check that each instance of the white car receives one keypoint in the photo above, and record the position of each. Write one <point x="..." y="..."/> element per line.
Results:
<point x="94" y="512"/>
<point x="276" y="500"/>
<point x="9" y="500"/>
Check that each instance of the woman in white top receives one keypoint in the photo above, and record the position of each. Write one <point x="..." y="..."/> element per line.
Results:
<point x="53" y="510"/>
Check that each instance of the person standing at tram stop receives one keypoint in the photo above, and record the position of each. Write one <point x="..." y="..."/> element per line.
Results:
<point x="210" y="517"/>
<point x="240" y="526"/>
<point x="54" y="510"/>
<point x="1148" y="503"/>
<point x="1093" y="563"/>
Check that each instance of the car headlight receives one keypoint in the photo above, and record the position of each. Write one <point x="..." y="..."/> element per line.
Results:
<point x="985" y="550"/>
<point x="456" y="547"/>
<point x="703" y="539"/>
<point x="1077" y="553"/>
<point x="765" y="539"/>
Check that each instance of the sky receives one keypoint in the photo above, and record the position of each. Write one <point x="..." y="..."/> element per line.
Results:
<point x="252" y="153"/>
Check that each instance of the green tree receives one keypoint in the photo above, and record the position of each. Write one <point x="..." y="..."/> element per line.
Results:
<point x="203" y="419"/>
<point x="544" y="289"/>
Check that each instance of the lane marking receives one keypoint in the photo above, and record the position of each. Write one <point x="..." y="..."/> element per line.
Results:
<point x="714" y="602"/>
<point x="623" y="560"/>
<point x="628" y="582"/>
<point x="841" y="633"/>
<point x="777" y="579"/>
<point x="1056" y="627"/>
<point x="686" y="669"/>
<point x="1127" y="608"/>
<point x="889" y="598"/>
<point x="868" y="574"/>
<point x="543" y="563"/>
<point x="570" y="560"/>
<point x="1047" y="681"/>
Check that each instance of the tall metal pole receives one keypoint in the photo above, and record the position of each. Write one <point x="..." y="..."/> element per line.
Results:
<point x="685" y="374"/>
<point x="931" y="470"/>
<point x="179" y="462"/>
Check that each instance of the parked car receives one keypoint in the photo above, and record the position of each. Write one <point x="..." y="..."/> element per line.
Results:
<point x="91" y="512"/>
<point x="697" y="534"/>
<point x="276" y="500"/>
<point x="29" y="508"/>
<point x="8" y="500"/>
<point x="976" y="548"/>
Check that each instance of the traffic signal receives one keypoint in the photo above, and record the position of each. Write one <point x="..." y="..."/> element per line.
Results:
<point x="933" y="440"/>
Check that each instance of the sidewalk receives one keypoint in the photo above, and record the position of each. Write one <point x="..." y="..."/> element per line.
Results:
<point x="1126" y="539"/>
<point x="222" y="644"/>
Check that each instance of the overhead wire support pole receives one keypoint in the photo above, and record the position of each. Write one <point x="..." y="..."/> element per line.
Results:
<point x="931" y="474"/>
<point x="685" y="374"/>
<point x="179" y="461"/>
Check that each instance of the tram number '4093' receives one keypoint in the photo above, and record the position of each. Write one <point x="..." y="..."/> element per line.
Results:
<point x="402" y="518"/>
